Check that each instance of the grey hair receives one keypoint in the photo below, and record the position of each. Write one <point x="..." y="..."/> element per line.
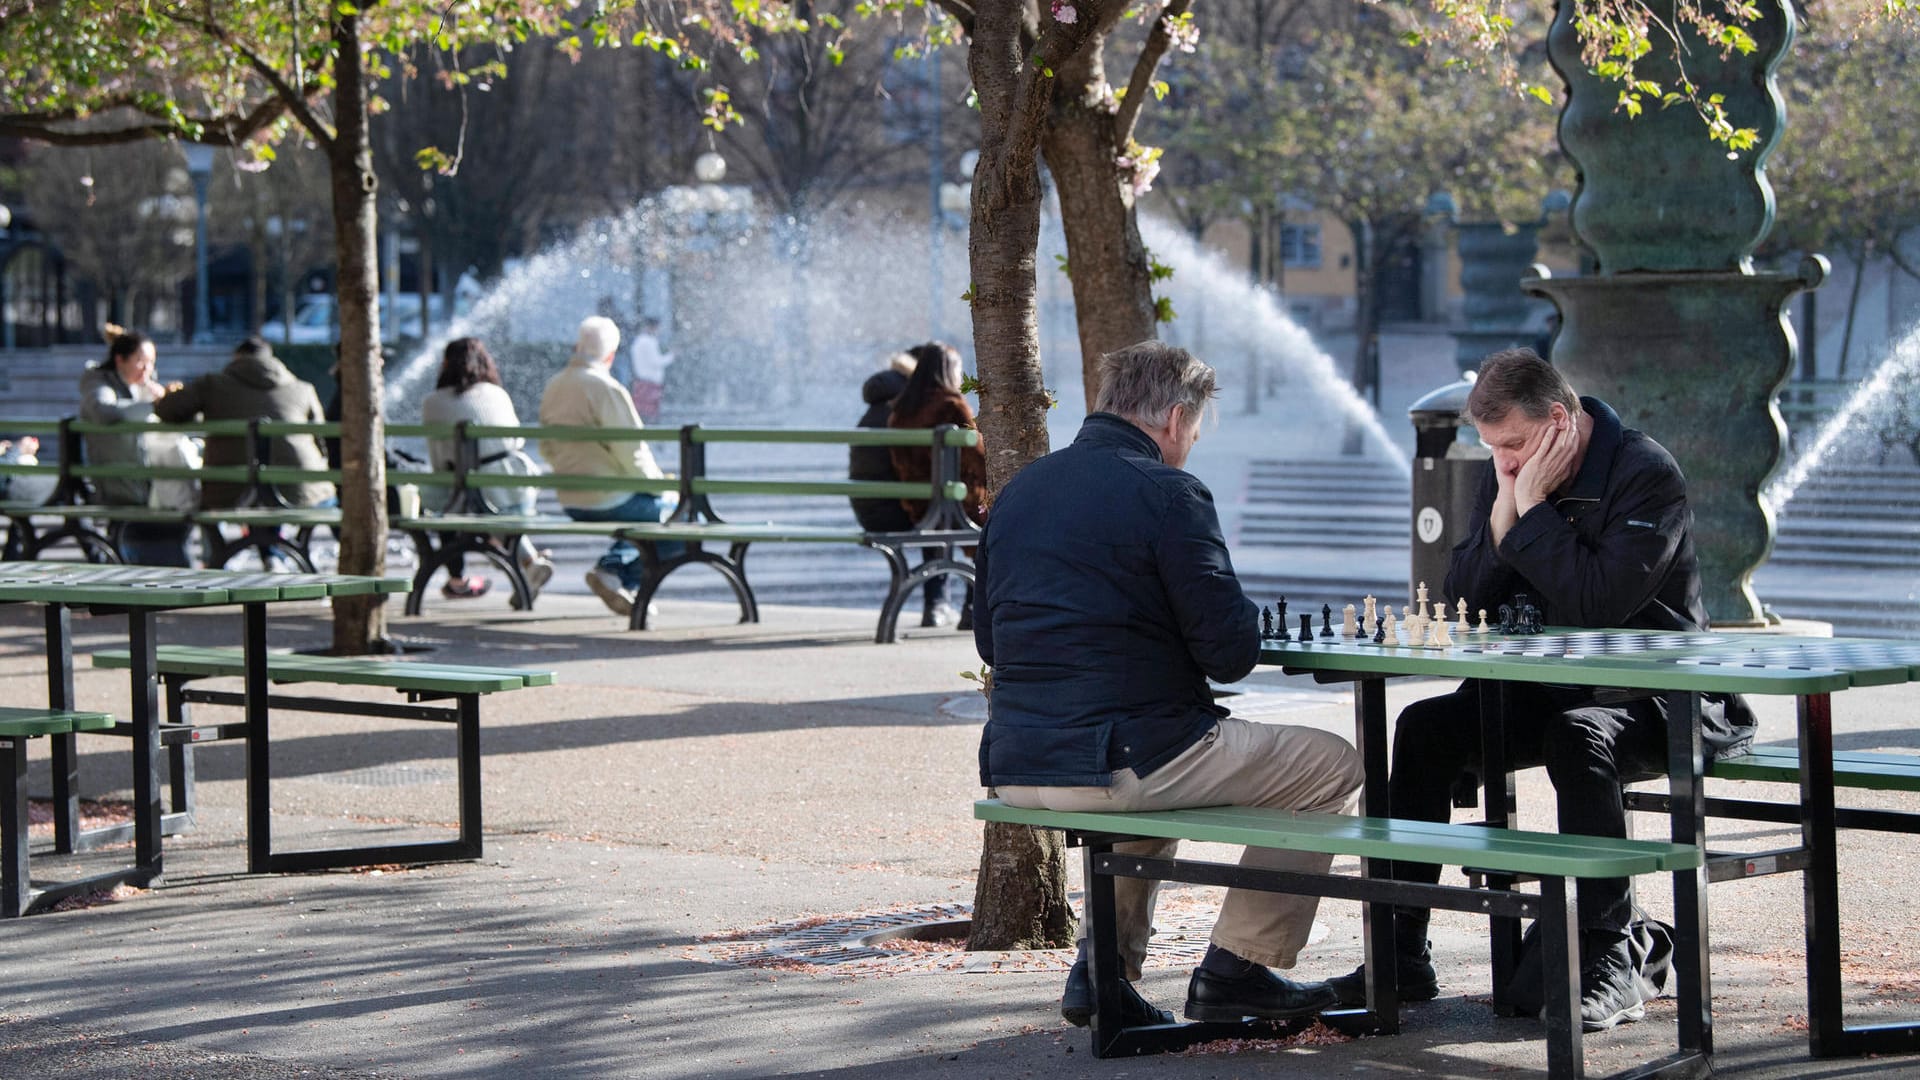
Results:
<point x="1144" y="381"/>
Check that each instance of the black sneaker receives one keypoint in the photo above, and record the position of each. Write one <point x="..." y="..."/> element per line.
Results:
<point x="1076" y="1003"/>
<point x="1259" y="993"/>
<point x="1609" y="990"/>
<point x="1415" y="973"/>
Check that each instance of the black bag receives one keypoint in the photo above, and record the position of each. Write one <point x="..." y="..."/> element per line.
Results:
<point x="1649" y="943"/>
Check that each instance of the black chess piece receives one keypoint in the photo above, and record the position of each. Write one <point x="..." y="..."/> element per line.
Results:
<point x="1280" y="616"/>
<point x="1506" y="618"/>
<point x="1326" y="621"/>
<point x="1306" y="629"/>
<point x="1266" y="624"/>
<point x="1379" y="629"/>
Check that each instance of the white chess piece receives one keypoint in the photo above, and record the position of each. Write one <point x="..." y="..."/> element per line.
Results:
<point x="1461" y="607"/>
<point x="1420" y="598"/>
<point x="1347" y="622"/>
<point x="1393" y="631"/>
<point x="1483" y="628"/>
<point x="1440" y="639"/>
<point x="1366" y="620"/>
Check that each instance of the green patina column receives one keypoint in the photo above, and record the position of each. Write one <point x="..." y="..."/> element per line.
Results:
<point x="1676" y="329"/>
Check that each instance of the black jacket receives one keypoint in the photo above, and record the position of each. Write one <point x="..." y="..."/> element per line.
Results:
<point x="876" y="462"/>
<point x="1106" y="601"/>
<point x="1614" y="550"/>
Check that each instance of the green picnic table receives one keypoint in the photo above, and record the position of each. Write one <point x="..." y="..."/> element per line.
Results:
<point x="141" y="593"/>
<point x="1682" y="667"/>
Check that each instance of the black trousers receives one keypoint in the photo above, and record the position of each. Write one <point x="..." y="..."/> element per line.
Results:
<point x="1589" y="751"/>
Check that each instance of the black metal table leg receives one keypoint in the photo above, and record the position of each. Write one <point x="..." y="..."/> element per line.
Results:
<point x="259" y="767"/>
<point x="1686" y="767"/>
<point x="1498" y="794"/>
<point x="1560" y="970"/>
<point x="146" y="739"/>
<point x="15" y="887"/>
<point x="1370" y="738"/>
<point x="469" y="753"/>
<point x="1826" y="1025"/>
<point x="66" y="757"/>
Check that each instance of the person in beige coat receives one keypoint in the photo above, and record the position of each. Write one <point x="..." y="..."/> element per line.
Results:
<point x="584" y="394"/>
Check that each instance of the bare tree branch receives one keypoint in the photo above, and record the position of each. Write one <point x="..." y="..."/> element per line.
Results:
<point x="1035" y="93"/>
<point x="219" y="130"/>
<point x="1900" y="260"/>
<point x="296" y="102"/>
<point x="1143" y="70"/>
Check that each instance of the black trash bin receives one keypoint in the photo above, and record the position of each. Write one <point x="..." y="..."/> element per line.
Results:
<point x="1448" y="457"/>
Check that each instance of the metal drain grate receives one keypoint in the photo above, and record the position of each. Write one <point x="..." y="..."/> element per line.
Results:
<point x="389" y="776"/>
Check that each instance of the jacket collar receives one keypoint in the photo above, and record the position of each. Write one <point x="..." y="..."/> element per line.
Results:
<point x="1591" y="482"/>
<point x="1107" y="429"/>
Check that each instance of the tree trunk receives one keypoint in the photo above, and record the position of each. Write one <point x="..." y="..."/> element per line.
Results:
<point x="359" y="622"/>
<point x="425" y="283"/>
<point x="1020" y="899"/>
<point x="1112" y="291"/>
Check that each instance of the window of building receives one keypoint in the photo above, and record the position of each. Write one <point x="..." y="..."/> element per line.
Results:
<point x="1300" y="246"/>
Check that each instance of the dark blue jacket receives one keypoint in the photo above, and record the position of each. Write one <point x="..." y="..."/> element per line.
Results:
<point x="1106" y="601"/>
<point x="1612" y="549"/>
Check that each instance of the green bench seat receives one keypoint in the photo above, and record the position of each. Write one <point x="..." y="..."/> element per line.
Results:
<point x="1550" y="858"/>
<point x="419" y="681"/>
<point x="1781" y="764"/>
<point x="202" y="662"/>
<point x="18" y="895"/>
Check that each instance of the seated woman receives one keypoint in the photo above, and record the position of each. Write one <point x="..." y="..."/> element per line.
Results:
<point x="932" y="397"/>
<point x="122" y="389"/>
<point x="469" y="389"/>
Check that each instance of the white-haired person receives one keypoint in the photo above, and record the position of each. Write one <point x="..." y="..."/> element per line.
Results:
<point x="584" y="394"/>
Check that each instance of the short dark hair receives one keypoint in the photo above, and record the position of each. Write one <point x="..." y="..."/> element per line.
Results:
<point x="464" y="363"/>
<point x="1518" y="379"/>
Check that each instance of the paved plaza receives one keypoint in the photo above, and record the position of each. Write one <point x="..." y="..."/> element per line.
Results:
<point x="680" y="790"/>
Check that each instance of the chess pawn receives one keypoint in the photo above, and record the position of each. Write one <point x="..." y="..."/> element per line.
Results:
<point x="1483" y="628"/>
<point x="1347" y="626"/>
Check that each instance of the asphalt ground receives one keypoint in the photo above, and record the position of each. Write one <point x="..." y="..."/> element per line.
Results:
<point x="707" y="779"/>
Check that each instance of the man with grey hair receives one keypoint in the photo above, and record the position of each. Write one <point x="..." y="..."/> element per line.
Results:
<point x="584" y="394"/>
<point x="1106" y="603"/>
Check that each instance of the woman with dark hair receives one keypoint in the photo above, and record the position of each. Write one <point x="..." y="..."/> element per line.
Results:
<point x="121" y="390"/>
<point x="932" y="397"/>
<point x="469" y="389"/>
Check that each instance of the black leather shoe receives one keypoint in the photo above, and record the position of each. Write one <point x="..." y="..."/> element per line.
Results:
<point x="1259" y="993"/>
<point x="1415" y="975"/>
<point x="1609" y="989"/>
<point x="1076" y="1004"/>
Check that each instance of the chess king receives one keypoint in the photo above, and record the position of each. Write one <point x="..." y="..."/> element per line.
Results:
<point x="1105" y="602"/>
<point x="1589" y="518"/>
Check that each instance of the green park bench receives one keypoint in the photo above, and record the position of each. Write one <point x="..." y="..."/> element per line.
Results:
<point x="466" y="525"/>
<point x="18" y="895"/>
<point x="94" y="527"/>
<point x="419" y="682"/>
<point x="1781" y="765"/>
<point x="1549" y="858"/>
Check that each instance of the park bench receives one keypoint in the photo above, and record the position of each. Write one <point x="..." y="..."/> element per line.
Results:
<point x="95" y="527"/>
<point x="419" y="682"/>
<point x="1781" y="764"/>
<point x="18" y="896"/>
<point x="1550" y="858"/>
<point x="467" y="525"/>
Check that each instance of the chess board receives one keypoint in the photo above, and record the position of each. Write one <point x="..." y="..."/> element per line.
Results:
<point x="1578" y="643"/>
<point x="1813" y="655"/>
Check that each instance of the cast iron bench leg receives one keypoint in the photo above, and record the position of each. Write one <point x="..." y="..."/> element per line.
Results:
<point x="14" y="886"/>
<point x="1560" y="967"/>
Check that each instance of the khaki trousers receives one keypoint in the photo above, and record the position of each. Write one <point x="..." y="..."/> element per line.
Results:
<point x="1238" y="763"/>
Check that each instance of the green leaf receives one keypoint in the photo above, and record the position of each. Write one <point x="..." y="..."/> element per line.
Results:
<point x="1060" y="261"/>
<point x="1163" y="309"/>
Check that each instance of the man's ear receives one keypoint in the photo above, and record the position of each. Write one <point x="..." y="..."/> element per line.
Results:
<point x="1557" y="413"/>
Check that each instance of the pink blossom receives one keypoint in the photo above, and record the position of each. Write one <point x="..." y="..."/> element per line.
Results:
<point x="1064" y="12"/>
